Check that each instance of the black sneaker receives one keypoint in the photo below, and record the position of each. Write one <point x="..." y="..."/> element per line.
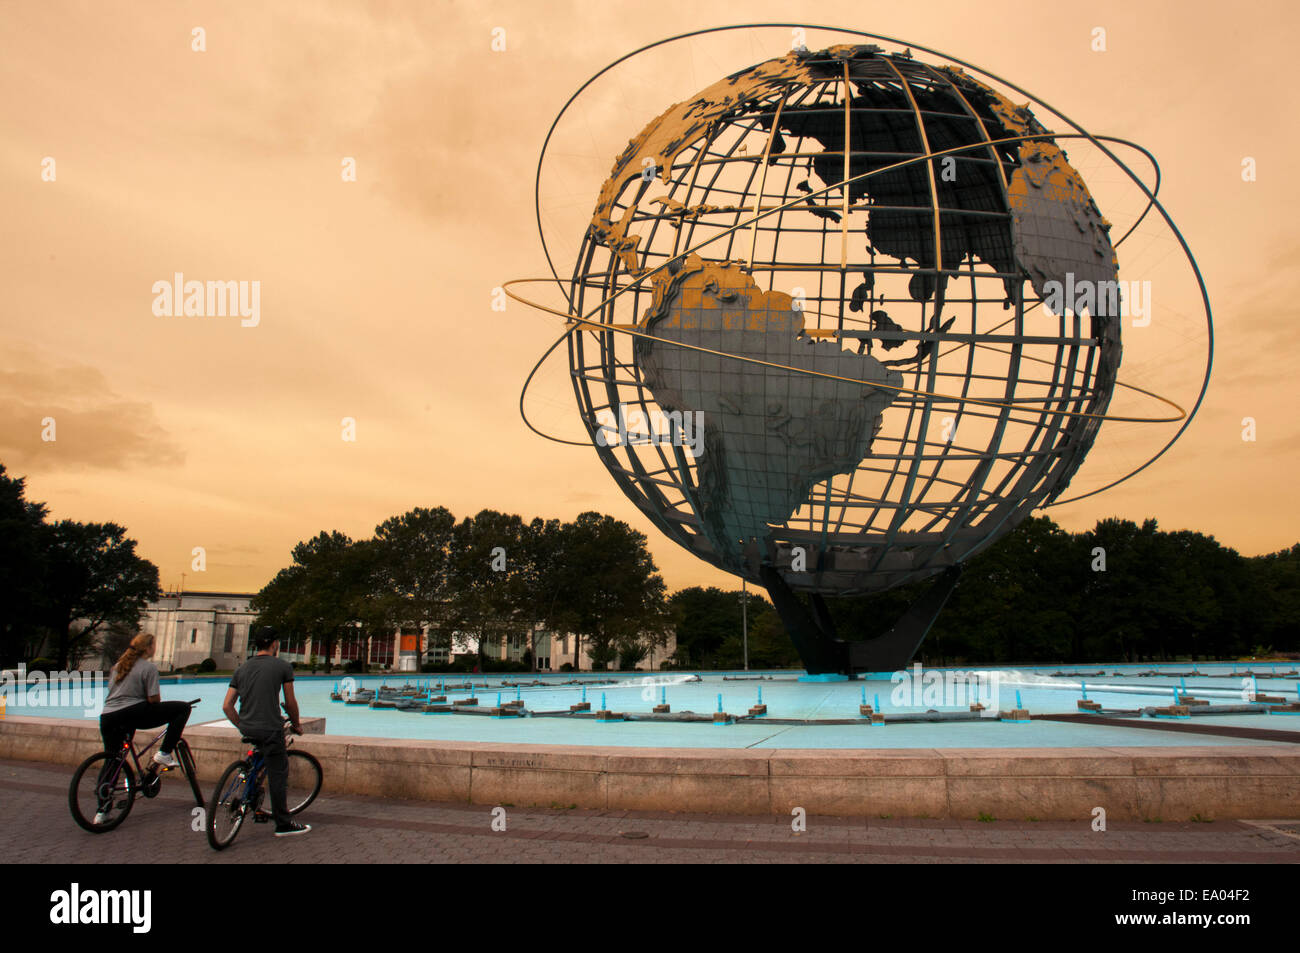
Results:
<point x="293" y="827"/>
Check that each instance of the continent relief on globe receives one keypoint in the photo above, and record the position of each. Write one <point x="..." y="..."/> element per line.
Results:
<point x="770" y="434"/>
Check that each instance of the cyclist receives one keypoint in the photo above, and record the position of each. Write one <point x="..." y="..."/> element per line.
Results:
<point x="134" y="702"/>
<point x="256" y="684"/>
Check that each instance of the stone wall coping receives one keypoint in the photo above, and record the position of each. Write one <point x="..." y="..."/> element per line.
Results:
<point x="1048" y="783"/>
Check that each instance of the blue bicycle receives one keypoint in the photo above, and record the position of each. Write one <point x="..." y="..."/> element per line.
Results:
<point x="242" y="787"/>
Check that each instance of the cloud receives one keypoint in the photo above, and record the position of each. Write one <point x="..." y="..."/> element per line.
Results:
<point x="93" y="427"/>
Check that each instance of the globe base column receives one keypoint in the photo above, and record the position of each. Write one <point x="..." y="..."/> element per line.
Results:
<point x="822" y="653"/>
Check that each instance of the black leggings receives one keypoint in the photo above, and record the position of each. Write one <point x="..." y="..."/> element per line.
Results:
<point x="115" y="725"/>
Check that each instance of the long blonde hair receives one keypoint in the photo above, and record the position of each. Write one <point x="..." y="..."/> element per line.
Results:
<point x="140" y="645"/>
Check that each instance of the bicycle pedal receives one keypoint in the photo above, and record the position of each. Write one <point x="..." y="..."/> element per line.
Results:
<point x="261" y="817"/>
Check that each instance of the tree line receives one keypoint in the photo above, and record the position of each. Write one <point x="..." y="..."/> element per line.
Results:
<point x="1118" y="592"/>
<point x="66" y="588"/>
<point x="487" y="577"/>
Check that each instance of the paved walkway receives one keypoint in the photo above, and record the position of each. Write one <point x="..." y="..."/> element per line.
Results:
<point x="35" y="827"/>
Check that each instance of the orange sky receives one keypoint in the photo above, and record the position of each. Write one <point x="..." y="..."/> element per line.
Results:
<point x="375" y="294"/>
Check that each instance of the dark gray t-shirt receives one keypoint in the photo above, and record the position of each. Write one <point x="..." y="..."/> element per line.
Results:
<point x="258" y="682"/>
<point x="139" y="684"/>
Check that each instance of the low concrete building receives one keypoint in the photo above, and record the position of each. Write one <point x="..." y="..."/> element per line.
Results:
<point x="193" y="626"/>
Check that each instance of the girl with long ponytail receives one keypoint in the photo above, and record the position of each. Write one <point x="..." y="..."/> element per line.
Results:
<point x="134" y="701"/>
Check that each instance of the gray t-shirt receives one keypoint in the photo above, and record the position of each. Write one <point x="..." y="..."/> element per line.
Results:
<point x="139" y="684"/>
<point x="258" y="682"/>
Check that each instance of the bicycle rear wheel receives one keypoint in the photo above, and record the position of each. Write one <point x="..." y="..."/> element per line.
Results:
<point x="231" y="804"/>
<point x="305" y="778"/>
<point x="101" y="793"/>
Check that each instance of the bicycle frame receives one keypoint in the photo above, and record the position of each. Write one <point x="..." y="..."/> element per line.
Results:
<point x="146" y="774"/>
<point x="253" y="781"/>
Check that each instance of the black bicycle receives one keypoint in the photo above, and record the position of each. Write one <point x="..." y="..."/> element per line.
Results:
<point x="241" y="789"/>
<point x="105" y="787"/>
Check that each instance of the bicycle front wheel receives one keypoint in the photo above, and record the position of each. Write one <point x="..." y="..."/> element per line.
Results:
<point x="231" y="804"/>
<point x="305" y="777"/>
<point x="102" y="792"/>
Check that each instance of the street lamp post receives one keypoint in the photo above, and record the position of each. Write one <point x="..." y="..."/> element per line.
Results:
<point x="744" y="620"/>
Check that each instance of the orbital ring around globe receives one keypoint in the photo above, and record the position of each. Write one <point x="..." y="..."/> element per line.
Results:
<point x="585" y="322"/>
<point x="940" y="268"/>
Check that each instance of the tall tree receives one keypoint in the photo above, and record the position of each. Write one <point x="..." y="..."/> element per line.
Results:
<point x="614" y="589"/>
<point x="707" y="618"/>
<point x="93" y="578"/>
<point x="327" y="594"/>
<point x="21" y="570"/>
<point x="490" y="579"/>
<point x="412" y="564"/>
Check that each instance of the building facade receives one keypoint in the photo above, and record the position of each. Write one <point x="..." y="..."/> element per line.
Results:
<point x="192" y="626"/>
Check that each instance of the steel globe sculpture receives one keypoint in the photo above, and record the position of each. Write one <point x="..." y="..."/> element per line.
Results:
<point x="840" y="322"/>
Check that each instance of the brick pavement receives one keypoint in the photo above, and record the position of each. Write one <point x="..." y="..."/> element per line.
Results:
<point x="35" y="827"/>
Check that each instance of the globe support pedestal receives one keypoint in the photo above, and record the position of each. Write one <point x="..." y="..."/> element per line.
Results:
<point x="813" y="632"/>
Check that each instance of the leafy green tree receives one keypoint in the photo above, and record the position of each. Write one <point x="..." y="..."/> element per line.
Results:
<point x="708" y="618"/>
<point x="328" y="594"/>
<point x="490" y="579"/>
<point x="614" y="593"/>
<point x="1276" y="599"/>
<point x="412" y="564"/>
<point x="92" y="578"/>
<point x="21" y="571"/>
<point x="548" y="579"/>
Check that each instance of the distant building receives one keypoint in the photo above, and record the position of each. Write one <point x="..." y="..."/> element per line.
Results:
<point x="193" y="626"/>
<point x="554" y="649"/>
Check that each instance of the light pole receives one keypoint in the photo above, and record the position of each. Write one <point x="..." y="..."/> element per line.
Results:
<point x="744" y="620"/>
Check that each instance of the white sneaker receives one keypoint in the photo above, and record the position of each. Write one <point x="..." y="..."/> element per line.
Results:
<point x="166" y="760"/>
<point x="99" y="819"/>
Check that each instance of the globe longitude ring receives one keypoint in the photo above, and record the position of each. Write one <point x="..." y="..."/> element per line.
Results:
<point x="887" y="195"/>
